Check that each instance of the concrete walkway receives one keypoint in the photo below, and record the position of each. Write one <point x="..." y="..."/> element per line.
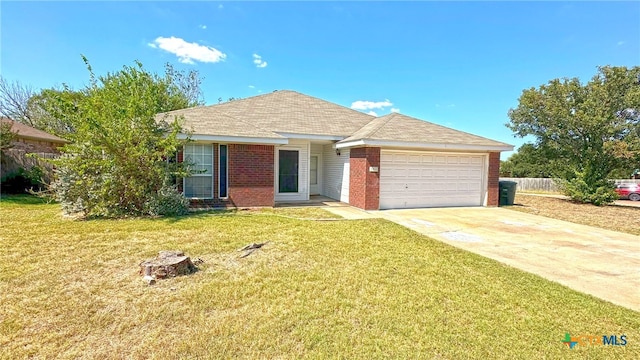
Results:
<point x="600" y="262"/>
<point x="350" y="212"/>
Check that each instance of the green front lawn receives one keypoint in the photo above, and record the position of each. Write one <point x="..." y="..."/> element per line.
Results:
<point x="318" y="289"/>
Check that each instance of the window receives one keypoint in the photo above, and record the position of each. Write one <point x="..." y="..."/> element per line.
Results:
<point x="200" y="159"/>
<point x="313" y="170"/>
<point x="288" y="171"/>
<point x="222" y="171"/>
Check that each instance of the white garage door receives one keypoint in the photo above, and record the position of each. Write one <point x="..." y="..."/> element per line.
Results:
<point x="420" y="179"/>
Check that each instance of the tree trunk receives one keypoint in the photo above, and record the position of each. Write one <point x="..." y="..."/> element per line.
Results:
<point x="168" y="264"/>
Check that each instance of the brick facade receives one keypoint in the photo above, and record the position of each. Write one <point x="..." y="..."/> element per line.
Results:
<point x="493" y="195"/>
<point x="364" y="186"/>
<point x="251" y="175"/>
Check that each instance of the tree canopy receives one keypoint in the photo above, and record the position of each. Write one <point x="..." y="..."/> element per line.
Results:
<point x="586" y="131"/>
<point x="528" y="161"/>
<point x="14" y="101"/>
<point x="118" y="160"/>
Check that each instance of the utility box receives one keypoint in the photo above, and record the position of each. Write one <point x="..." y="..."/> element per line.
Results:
<point x="507" y="192"/>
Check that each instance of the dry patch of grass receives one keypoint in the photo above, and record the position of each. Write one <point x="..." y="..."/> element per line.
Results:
<point x="318" y="289"/>
<point x="612" y="217"/>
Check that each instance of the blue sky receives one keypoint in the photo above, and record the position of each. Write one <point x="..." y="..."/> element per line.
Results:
<point x="458" y="64"/>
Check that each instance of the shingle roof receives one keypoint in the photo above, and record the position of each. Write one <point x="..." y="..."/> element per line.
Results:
<point x="25" y="131"/>
<point x="403" y="128"/>
<point x="204" y="120"/>
<point x="288" y="112"/>
<point x="282" y="111"/>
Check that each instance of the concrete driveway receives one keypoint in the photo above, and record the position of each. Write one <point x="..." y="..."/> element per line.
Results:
<point x="603" y="263"/>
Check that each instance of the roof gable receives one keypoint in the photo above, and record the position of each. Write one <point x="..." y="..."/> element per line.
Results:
<point x="282" y="111"/>
<point x="402" y="128"/>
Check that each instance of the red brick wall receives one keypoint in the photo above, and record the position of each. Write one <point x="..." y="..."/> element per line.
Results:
<point x="37" y="146"/>
<point x="251" y="177"/>
<point x="364" y="186"/>
<point x="493" y="195"/>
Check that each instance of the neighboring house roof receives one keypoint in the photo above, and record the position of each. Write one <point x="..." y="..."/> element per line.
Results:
<point x="284" y="114"/>
<point x="27" y="132"/>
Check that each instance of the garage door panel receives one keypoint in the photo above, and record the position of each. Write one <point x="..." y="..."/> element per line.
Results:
<point x="400" y="158"/>
<point x="430" y="180"/>
<point x="414" y="173"/>
<point x="427" y="159"/>
<point x="415" y="159"/>
<point x="440" y="159"/>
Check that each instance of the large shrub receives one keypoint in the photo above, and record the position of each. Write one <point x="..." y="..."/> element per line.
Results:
<point x="116" y="164"/>
<point x="584" y="190"/>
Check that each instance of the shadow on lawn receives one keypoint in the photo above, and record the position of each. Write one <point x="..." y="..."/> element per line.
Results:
<point x="24" y="199"/>
<point x="197" y="215"/>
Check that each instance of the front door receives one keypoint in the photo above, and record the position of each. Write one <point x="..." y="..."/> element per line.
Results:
<point x="288" y="171"/>
<point x="314" y="174"/>
<point x="291" y="172"/>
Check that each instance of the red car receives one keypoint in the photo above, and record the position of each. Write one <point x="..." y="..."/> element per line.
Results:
<point x="628" y="191"/>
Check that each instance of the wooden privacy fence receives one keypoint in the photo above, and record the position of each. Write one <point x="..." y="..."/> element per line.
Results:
<point x="546" y="184"/>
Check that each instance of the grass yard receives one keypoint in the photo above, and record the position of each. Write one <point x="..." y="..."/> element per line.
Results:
<point x="320" y="289"/>
<point x="612" y="217"/>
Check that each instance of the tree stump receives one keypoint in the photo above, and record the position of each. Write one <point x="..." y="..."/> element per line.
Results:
<point x="167" y="264"/>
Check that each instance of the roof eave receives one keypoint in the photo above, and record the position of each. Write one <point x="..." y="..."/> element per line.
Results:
<point x="37" y="138"/>
<point x="310" y="136"/>
<point x="236" y="139"/>
<point x="422" y="145"/>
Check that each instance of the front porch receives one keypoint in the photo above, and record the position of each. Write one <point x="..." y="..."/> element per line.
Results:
<point x="344" y="210"/>
<point x="314" y="200"/>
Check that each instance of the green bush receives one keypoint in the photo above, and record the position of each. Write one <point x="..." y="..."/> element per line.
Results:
<point x="23" y="180"/>
<point x="597" y="192"/>
<point x="68" y="193"/>
<point x="168" y="201"/>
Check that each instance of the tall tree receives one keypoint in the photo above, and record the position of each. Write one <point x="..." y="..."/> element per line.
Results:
<point x="6" y="136"/>
<point x="117" y="163"/>
<point x="591" y="128"/>
<point x="14" y="101"/>
<point x="48" y="110"/>
<point x="528" y="161"/>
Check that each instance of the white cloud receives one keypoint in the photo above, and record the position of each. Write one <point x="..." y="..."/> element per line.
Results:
<point x="257" y="59"/>
<point x="395" y="110"/>
<point x="367" y="105"/>
<point x="372" y="113"/>
<point x="188" y="52"/>
<point x="203" y="27"/>
<point x="251" y="87"/>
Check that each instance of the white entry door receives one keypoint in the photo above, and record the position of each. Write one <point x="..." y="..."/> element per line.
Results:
<point x="420" y="179"/>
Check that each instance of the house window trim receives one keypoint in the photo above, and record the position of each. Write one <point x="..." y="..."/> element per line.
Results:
<point x="227" y="172"/>
<point x="184" y="180"/>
